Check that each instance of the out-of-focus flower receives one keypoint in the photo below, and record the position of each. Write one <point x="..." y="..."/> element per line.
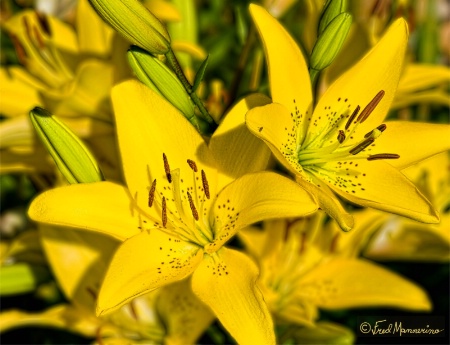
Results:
<point x="181" y="207"/>
<point x="389" y="237"/>
<point x="301" y="272"/>
<point x="172" y="315"/>
<point x="63" y="70"/>
<point x="336" y="148"/>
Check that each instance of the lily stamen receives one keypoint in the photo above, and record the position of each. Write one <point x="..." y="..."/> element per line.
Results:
<point x="167" y="168"/>
<point x="193" y="209"/>
<point x="361" y="146"/>
<point x="380" y="128"/>
<point x="192" y="164"/>
<point x="341" y="136"/>
<point x="370" y="107"/>
<point x="352" y="117"/>
<point x="151" y="194"/>
<point x="383" y="156"/>
<point x="164" y="212"/>
<point x="205" y="184"/>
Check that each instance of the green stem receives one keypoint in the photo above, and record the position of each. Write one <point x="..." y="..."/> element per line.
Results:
<point x="187" y="86"/>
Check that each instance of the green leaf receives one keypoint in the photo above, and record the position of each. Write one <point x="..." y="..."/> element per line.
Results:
<point x="200" y="74"/>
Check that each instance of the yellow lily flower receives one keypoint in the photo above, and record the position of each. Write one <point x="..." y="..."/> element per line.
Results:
<point x="172" y="314"/>
<point x="301" y="272"/>
<point x="396" y="238"/>
<point x="179" y="208"/>
<point x="336" y="148"/>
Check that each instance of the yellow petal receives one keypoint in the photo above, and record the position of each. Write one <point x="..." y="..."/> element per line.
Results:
<point x="324" y="332"/>
<point x="163" y="10"/>
<point x="148" y="127"/>
<point x="378" y="185"/>
<point x="144" y="263"/>
<point x="88" y="94"/>
<point x="418" y="77"/>
<point x="350" y="283"/>
<point x="16" y="131"/>
<point x="327" y="201"/>
<point x="227" y="283"/>
<point x="103" y="207"/>
<point x="273" y="124"/>
<point x="184" y="315"/>
<point x="84" y="254"/>
<point x="267" y="196"/>
<point x="61" y="316"/>
<point x="413" y="141"/>
<point x="62" y="35"/>
<point x="288" y="73"/>
<point x="378" y="70"/>
<point x="237" y="150"/>
<point x="18" y="97"/>
<point x="26" y="160"/>
<point x="94" y="36"/>
<point x="402" y="239"/>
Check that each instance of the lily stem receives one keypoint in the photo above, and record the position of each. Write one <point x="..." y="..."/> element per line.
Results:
<point x="187" y="86"/>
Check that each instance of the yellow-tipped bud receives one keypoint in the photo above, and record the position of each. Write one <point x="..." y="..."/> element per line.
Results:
<point x="135" y="22"/>
<point x="157" y="76"/>
<point x="330" y="42"/>
<point x="72" y="158"/>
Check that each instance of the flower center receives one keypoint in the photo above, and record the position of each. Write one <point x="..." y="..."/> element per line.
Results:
<point x="183" y="206"/>
<point x="38" y="54"/>
<point x="340" y="148"/>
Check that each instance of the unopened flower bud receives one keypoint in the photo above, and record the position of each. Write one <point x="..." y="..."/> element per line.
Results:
<point x="330" y="42"/>
<point x="135" y="22"/>
<point x="157" y="76"/>
<point x="72" y="158"/>
<point x="332" y="9"/>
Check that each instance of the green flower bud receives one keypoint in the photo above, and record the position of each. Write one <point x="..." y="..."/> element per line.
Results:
<point x="135" y="22"/>
<point x="332" y="9"/>
<point x="330" y="42"/>
<point x="72" y="158"/>
<point x="160" y="78"/>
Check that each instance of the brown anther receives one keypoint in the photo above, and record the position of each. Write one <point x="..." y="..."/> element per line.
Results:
<point x="151" y="194"/>
<point x="370" y="107"/>
<point x="20" y="50"/>
<point x="358" y="148"/>
<point x="341" y="136"/>
<point x="193" y="209"/>
<point x="350" y="120"/>
<point x="205" y="185"/>
<point x="43" y="22"/>
<point x="167" y="168"/>
<point x="383" y="156"/>
<point x="381" y="128"/>
<point x="192" y="165"/>
<point x="164" y="212"/>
